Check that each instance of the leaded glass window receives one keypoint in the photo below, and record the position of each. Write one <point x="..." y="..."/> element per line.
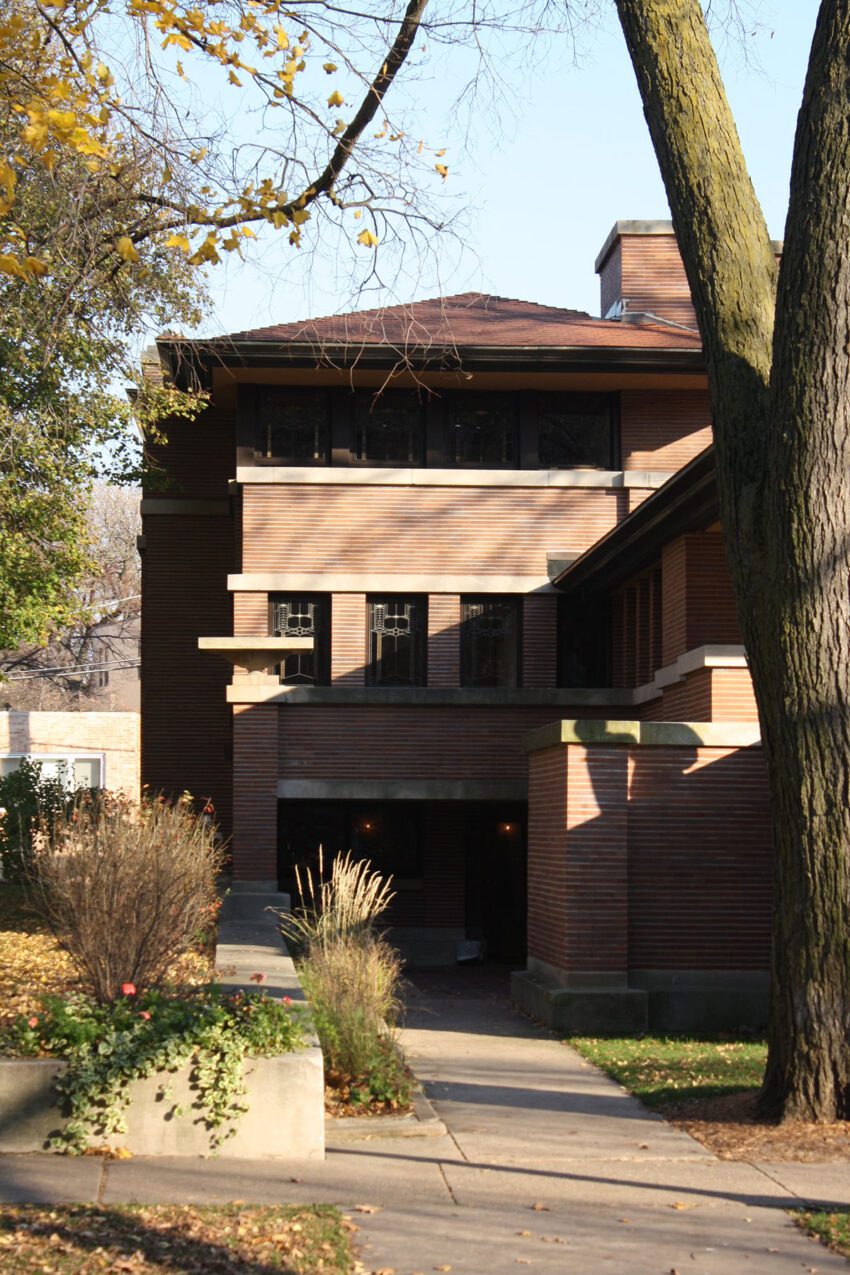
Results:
<point x="396" y="642"/>
<point x="292" y="425"/>
<point x="490" y="630"/>
<point x="482" y="430"/>
<point x="574" y="431"/>
<point x="388" y="427"/>
<point x="297" y="617"/>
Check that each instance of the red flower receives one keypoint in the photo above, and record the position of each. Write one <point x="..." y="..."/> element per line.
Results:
<point x="143" y="1013"/>
<point x="32" y="1022"/>
<point x="287" y="1000"/>
<point x="128" y="989"/>
<point x="258" y="978"/>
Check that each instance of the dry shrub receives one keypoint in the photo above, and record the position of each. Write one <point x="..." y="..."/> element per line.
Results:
<point x="126" y="888"/>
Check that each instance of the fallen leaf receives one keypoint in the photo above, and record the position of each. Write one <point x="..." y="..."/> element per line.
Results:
<point x="442" y="1268"/>
<point x="680" y="1204"/>
<point x="524" y="1234"/>
<point x="540" y="1208"/>
<point x="367" y="1208"/>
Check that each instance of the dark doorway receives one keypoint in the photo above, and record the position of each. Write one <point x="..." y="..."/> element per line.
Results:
<point x="496" y="879"/>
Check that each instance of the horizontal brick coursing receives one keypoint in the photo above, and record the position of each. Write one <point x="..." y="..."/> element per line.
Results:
<point x="115" y="735"/>
<point x="653" y="280"/>
<point x="539" y="619"/>
<point x="348" y="639"/>
<point x="388" y="742"/>
<point x="444" y="639"/>
<point x="255" y="792"/>
<point x="687" y="701"/>
<point x="185" y="716"/>
<point x="415" y="530"/>
<point x="700" y="860"/>
<point x="250" y="614"/>
<point x="663" y="431"/>
<point x="547" y="855"/>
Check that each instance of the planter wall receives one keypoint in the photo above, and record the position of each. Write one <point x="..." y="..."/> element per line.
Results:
<point x="285" y="1117"/>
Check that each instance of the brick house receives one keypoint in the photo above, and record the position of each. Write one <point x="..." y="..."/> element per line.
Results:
<point x="463" y="563"/>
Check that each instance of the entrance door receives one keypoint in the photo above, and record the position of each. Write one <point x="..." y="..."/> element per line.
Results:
<point x="496" y="879"/>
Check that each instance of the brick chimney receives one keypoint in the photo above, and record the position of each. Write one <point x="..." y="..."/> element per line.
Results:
<point x="641" y="275"/>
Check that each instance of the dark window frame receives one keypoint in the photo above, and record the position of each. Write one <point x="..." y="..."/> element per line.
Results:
<point x="356" y="397"/>
<point x="453" y="400"/>
<point x="515" y="601"/>
<point x="321" y="647"/>
<point x="543" y="399"/>
<point x="420" y="638"/>
<point x="257" y="394"/>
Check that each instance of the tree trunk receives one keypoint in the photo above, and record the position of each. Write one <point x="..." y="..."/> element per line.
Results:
<point x="780" y="413"/>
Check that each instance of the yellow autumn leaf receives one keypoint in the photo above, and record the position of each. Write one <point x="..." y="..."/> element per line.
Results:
<point x="336" y="98"/>
<point x="126" y="248"/>
<point x="11" y="266"/>
<point x="367" y="239"/>
<point x="35" y="266"/>
<point x="442" y="170"/>
<point x="440" y="154"/>
<point x="233" y="78"/>
<point x="358" y="214"/>
<point x="178" y="241"/>
<point x="329" y="67"/>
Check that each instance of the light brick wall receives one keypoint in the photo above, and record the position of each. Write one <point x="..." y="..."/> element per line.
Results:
<point x="115" y="735"/>
<point x="663" y="431"/>
<point x="444" y="639"/>
<point x="250" y="614"/>
<point x="348" y="639"/>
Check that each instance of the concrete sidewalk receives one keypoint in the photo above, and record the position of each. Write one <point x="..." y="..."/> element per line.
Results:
<point x="546" y="1163"/>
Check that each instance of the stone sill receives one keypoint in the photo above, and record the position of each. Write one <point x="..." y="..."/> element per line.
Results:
<point x="247" y="692"/>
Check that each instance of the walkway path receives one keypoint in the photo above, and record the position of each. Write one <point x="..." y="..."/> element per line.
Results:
<point x="545" y="1164"/>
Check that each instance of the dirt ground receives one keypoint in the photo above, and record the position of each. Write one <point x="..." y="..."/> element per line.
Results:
<point x="728" y="1127"/>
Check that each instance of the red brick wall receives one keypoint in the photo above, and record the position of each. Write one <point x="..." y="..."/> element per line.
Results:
<point x="663" y="431"/>
<point x="444" y="639"/>
<point x="438" y="529"/>
<point x="185" y="716"/>
<point x="674" y="601"/>
<point x="649" y="859"/>
<point x="687" y="701"/>
<point x="348" y="639"/>
<point x="539" y="614"/>
<point x="711" y="603"/>
<point x="250" y="614"/>
<point x="255" y="732"/>
<point x="732" y="695"/>
<point x="444" y="866"/>
<point x="342" y="741"/>
<point x="653" y="279"/>
<point x="700" y="859"/>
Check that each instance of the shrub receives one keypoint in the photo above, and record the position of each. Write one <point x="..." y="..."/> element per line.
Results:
<point x="28" y="799"/>
<point x="125" y="888"/>
<point x="352" y="979"/>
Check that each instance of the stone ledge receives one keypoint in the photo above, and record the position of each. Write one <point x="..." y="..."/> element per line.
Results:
<point x="577" y="1012"/>
<point x="646" y="734"/>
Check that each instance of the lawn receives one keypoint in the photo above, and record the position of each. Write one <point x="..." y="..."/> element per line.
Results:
<point x="832" y="1228"/>
<point x="223" y="1240"/>
<point x="33" y="965"/>
<point x="708" y="1086"/>
<point x="667" y="1071"/>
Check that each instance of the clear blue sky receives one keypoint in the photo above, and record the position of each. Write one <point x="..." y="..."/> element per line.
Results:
<point x="544" y="185"/>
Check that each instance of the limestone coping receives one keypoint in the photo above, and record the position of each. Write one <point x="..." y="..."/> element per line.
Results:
<point x="647" y="734"/>
<point x="386" y="476"/>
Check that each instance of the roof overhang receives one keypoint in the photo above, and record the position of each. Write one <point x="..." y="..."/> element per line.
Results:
<point x="687" y="502"/>
<point x="183" y="355"/>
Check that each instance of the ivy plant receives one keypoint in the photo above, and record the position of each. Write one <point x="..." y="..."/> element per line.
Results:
<point x="108" y="1046"/>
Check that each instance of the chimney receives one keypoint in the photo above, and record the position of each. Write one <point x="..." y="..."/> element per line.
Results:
<point x="641" y="276"/>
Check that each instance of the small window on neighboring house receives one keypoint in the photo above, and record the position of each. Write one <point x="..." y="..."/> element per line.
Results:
<point x="304" y="616"/>
<point x="396" y="641"/>
<point x="574" y="431"/>
<point x="490" y="641"/>
<point x="292" y="425"/>
<point x="388" y="427"/>
<point x="75" y="771"/>
<point x="482" y="430"/>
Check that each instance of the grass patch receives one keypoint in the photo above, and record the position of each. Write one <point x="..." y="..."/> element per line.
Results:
<point x="833" y="1229"/>
<point x="221" y="1240"/>
<point x="665" y="1071"/>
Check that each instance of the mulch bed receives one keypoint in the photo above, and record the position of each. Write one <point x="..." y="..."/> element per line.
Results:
<point x="729" y="1127"/>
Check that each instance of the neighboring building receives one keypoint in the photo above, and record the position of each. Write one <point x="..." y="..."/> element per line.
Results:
<point x="91" y="750"/>
<point x="430" y="538"/>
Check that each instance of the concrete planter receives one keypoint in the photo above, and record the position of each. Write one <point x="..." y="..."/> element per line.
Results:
<point x="284" y="1096"/>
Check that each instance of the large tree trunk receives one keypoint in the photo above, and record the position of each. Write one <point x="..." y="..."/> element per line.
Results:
<point x="781" y="428"/>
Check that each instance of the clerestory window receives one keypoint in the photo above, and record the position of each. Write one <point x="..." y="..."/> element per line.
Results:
<point x="304" y="616"/>
<point x="292" y="425"/>
<point x="490" y="641"/>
